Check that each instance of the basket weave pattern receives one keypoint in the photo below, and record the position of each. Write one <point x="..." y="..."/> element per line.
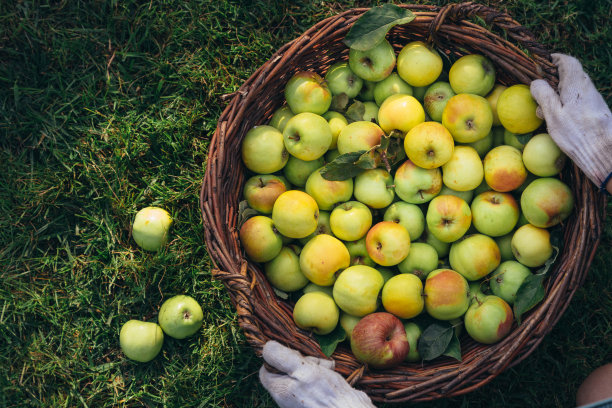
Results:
<point x="263" y="316"/>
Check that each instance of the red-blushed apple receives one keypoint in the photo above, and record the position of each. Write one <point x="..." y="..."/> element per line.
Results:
<point x="531" y="245"/>
<point x="391" y="85"/>
<point x="492" y="98"/>
<point x="308" y="92"/>
<point x="262" y="190"/>
<point x="448" y="217"/>
<point x="400" y="112"/>
<point x="374" y="64"/>
<point x="402" y="295"/>
<point x="359" y="253"/>
<point x="446" y="294"/>
<point x="429" y="145"/>
<point x="260" y="239"/>
<point x="504" y="169"/>
<point x="357" y="136"/>
<point x="151" y="228"/>
<point x="542" y="156"/>
<point x="295" y="214"/>
<point x="180" y="316"/>
<point x="284" y="272"/>
<point x="488" y="321"/>
<point x="387" y="243"/>
<point x="507" y="279"/>
<point x="416" y="185"/>
<point x="307" y="136"/>
<point x="350" y="220"/>
<point x="374" y="188"/>
<point x="494" y="213"/>
<point x="516" y="109"/>
<point x="263" y="150"/>
<point x="409" y="216"/>
<point x="474" y="256"/>
<point x="357" y="288"/>
<point x="297" y="171"/>
<point x="322" y="258"/>
<point x="467" y="117"/>
<point x="473" y="74"/>
<point x="328" y="193"/>
<point x="421" y="260"/>
<point x="316" y="312"/>
<point x="341" y="79"/>
<point x="141" y="341"/>
<point x="280" y="117"/>
<point x="463" y="171"/>
<point x="337" y="122"/>
<point x="413" y="333"/>
<point x="546" y="202"/>
<point x="419" y="64"/>
<point x="379" y="340"/>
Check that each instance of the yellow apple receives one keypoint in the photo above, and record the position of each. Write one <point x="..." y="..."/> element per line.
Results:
<point x="464" y="171"/>
<point x="429" y="145"/>
<point x="402" y="296"/>
<point x="516" y="110"/>
<point x="400" y="112"/>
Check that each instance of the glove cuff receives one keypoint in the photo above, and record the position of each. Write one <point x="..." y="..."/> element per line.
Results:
<point x="603" y="185"/>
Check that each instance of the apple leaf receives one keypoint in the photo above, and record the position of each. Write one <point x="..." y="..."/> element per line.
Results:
<point x="340" y="102"/>
<point x="355" y="112"/>
<point x="329" y="342"/>
<point x="372" y="27"/>
<point x="454" y="348"/>
<point x="245" y="212"/>
<point x="523" y="138"/>
<point x="394" y="151"/>
<point x="435" y="340"/>
<point x="343" y="167"/>
<point x="530" y="293"/>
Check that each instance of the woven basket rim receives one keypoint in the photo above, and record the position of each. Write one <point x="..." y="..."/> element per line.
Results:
<point x="263" y="316"/>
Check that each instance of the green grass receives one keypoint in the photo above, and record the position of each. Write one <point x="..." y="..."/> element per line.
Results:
<point x="107" y="107"/>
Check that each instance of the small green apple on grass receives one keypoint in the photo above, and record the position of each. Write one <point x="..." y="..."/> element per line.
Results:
<point x="151" y="227"/>
<point x="141" y="341"/>
<point x="180" y="316"/>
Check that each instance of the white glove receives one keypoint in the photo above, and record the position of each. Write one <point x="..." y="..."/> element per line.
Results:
<point x="578" y="118"/>
<point x="308" y="382"/>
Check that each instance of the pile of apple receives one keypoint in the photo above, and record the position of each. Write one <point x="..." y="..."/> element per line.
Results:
<point x="451" y="224"/>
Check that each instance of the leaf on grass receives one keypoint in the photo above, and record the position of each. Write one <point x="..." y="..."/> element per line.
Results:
<point x="530" y="293"/>
<point x="339" y="102"/>
<point x="454" y="348"/>
<point x="355" y="112"/>
<point x="372" y="27"/>
<point x="524" y="138"/>
<point x="329" y="342"/>
<point x="342" y="167"/>
<point x="435" y="340"/>
<point x="245" y="212"/>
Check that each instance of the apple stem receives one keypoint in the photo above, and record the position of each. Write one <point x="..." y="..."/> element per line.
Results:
<point x="391" y="186"/>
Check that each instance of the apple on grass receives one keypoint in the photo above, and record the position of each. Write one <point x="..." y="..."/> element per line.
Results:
<point x="435" y="99"/>
<point x="531" y="245"/>
<point x="472" y="74"/>
<point x="379" y="340"/>
<point x="429" y="145"/>
<point x="260" y="239"/>
<point x="283" y="272"/>
<point x="402" y="295"/>
<point x="307" y="136"/>
<point x="350" y="220"/>
<point x="446" y="294"/>
<point x="151" y="228"/>
<point x="419" y="64"/>
<point x="263" y="150"/>
<point x="388" y="243"/>
<point x="409" y="216"/>
<point x="308" y="92"/>
<point x="262" y="190"/>
<point x="357" y="288"/>
<point x="507" y="279"/>
<point x="391" y="85"/>
<point x="400" y="112"/>
<point x="474" y="256"/>
<point x="494" y="214"/>
<point x="341" y="79"/>
<point x="141" y="341"/>
<point x="546" y="202"/>
<point x="322" y="258"/>
<point x="488" y="321"/>
<point x="448" y="217"/>
<point x="374" y="64"/>
<point x="295" y="214"/>
<point x="316" y="312"/>
<point x="463" y="171"/>
<point x="297" y="171"/>
<point x="504" y="169"/>
<point x="421" y="260"/>
<point x="180" y="316"/>
<point x="416" y="185"/>
<point x="468" y="117"/>
<point x="374" y="188"/>
<point x="542" y="156"/>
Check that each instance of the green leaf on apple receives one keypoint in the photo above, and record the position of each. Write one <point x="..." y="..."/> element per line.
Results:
<point x="372" y="27"/>
<point x="524" y="138"/>
<point x="340" y="102"/>
<point x="454" y="348"/>
<point x="343" y="167"/>
<point x="245" y="212"/>
<point x="530" y="293"/>
<point x="391" y="150"/>
<point x="435" y="340"/>
<point x="329" y="342"/>
<point x="355" y="112"/>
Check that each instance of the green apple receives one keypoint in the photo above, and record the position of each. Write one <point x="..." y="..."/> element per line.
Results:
<point x="516" y="110"/>
<point x="262" y="190"/>
<point x="359" y="253"/>
<point x="323" y="227"/>
<point x="504" y="169"/>
<point x="468" y="117"/>
<point x="419" y="64"/>
<point x="313" y="287"/>
<point x="546" y="202"/>
<point x="441" y="247"/>
<point x="474" y="256"/>
<point x="280" y="117"/>
<point x="446" y="294"/>
<point x="295" y="214"/>
<point x="498" y="135"/>
<point x="342" y="80"/>
<point x="348" y="323"/>
<point x="180" y="316"/>
<point x="322" y="258"/>
<point x="308" y="92"/>
<point x="283" y="272"/>
<point x="476" y="291"/>
<point x="473" y="74"/>
<point x="482" y="188"/>
<point x="511" y="139"/>
<point x="505" y="247"/>
<point x="297" y="171"/>
<point x="374" y="187"/>
<point x="409" y="216"/>
<point x="464" y="170"/>
<point x="489" y="321"/>
<point x="379" y="340"/>
<point x="328" y="193"/>
<point x="260" y="238"/>
<point x="141" y="341"/>
<point x="435" y="99"/>
<point x="531" y="245"/>
<point x="542" y="156"/>
<point x="263" y="150"/>
<point x="337" y="122"/>
<point x="530" y="177"/>
<point x="429" y="145"/>
<point x="417" y="185"/>
<point x="507" y="279"/>
<point x="367" y="91"/>
<point x="307" y="136"/>
<point x="422" y="259"/>
<point x="370" y="113"/>
<point x="374" y="64"/>
<point x="316" y="312"/>
<point x="448" y="217"/>
<point x="357" y="136"/>
<point x="464" y="195"/>
<point x="492" y="97"/>
<point x="391" y="85"/>
<point x="419" y="92"/>
<point x="402" y="295"/>
<point x="151" y="228"/>
<point x="400" y="112"/>
<point x="331" y="155"/>
<point x="356" y="290"/>
<point x="483" y="145"/>
<point x="494" y="214"/>
<point x="350" y="220"/>
<point x="385" y="272"/>
<point x="413" y="333"/>
<point x="387" y="243"/>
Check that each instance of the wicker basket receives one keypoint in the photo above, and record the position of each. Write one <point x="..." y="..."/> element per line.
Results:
<point x="263" y="316"/>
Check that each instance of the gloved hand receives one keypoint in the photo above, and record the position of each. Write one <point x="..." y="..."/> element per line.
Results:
<point x="578" y="118"/>
<point x="308" y="382"/>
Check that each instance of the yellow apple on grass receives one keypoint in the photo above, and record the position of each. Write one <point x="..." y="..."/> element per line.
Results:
<point x="546" y="202"/>
<point x="468" y="117"/>
<point x="307" y="91"/>
<point x="151" y="228"/>
<point x="400" y="112"/>
<point x="448" y="217"/>
<point x="323" y="258"/>
<point x="263" y="150"/>
<point x="387" y="243"/>
<point x="463" y="171"/>
<point x="531" y="245"/>
<point x="446" y="294"/>
<point x="295" y="214"/>
<point x="328" y="193"/>
<point x="473" y="74"/>
<point x="402" y="295"/>
<point x="350" y="220"/>
<point x="474" y="256"/>
<point x="141" y="341"/>
<point x="504" y="169"/>
<point x="316" y="312"/>
<point x="429" y="145"/>
<point x="419" y="64"/>
<point x="516" y="110"/>
<point x="357" y="288"/>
